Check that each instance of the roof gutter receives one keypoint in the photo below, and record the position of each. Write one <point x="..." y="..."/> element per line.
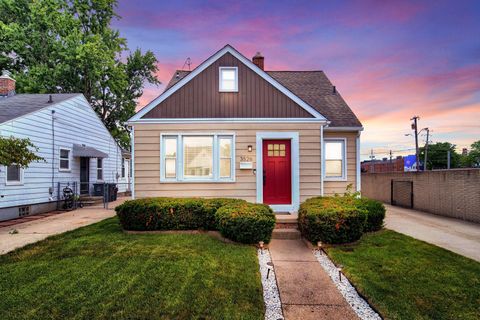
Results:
<point x="230" y="120"/>
<point x="346" y="129"/>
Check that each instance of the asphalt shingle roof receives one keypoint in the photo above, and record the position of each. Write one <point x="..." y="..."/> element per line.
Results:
<point x="313" y="87"/>
<point x="21" y="104"/>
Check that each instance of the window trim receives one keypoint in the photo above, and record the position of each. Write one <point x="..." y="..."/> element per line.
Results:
<point x="69" y="159"/>
<point x="179" y="159"/>
<point x="344" y="159"/>
<point x="220" y="79"/>
<point x="16" y="182"/>
<point x="100" y="169"/>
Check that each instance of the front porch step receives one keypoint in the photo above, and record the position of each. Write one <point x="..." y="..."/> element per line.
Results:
<point x="286" y="234"/>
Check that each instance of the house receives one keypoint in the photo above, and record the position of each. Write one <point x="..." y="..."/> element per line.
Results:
<point x="77" y="148"/>
<point x="229" y="128"/>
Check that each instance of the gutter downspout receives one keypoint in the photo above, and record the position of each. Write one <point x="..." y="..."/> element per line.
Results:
<point x="53" y="153"/>
<point x="132" y="163"/>
<point x="322" y="162"/>
<point x="359" y="175"/>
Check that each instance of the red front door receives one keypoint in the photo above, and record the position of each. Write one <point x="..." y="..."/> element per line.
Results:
<point x="277" y="172"/>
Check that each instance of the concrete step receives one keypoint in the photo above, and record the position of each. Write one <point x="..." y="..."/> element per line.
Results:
<point x="288" y="233"/>
<point x="286" y="225"/>
<point x="286" y="218"/>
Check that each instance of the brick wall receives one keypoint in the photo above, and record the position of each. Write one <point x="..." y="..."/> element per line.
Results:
<point x="7" y="85"/>
<point x="452" y="193"/>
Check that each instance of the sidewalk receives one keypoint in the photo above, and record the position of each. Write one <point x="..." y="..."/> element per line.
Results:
<point x="459" y="236"/>
<point x="39" y="229"/>
<point x="306" y="290"/>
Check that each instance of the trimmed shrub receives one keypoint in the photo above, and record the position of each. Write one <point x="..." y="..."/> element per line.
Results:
<point x="170" y="213"/>
<point x="331" y="220"/>
<point x="375" y="213"/>
<point x="246" y="222"/>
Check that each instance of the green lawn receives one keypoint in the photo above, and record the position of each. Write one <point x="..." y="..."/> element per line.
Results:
<point x="98" y="272"/>
<point x="409" y="279"/>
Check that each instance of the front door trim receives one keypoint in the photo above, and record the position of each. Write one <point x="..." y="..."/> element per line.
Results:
<point x="295" y="163"/>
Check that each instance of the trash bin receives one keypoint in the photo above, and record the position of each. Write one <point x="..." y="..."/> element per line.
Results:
<point x="112" y="192"/>
<point x="98" y="189"/>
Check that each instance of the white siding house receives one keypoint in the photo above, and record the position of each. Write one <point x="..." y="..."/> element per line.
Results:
<point x="68" y="133"/>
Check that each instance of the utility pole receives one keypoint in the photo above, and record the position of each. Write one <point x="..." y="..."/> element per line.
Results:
<point x="372" y="166"/>
<point x="426" y="149"/>
<point x="448" y="159"/>
<point x="391" y="165"/>
<point x="414" y="127"/>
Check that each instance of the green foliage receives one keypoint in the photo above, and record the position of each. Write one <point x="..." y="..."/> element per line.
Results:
<point x="170" y="213"/>
<point x="472" y="159"/>
<point x="17" y="151"/>
<point x="61" y="46"/>
<point x="375" y="213"/>
<point x="246" y="222"/>
<point x="331" y="219"/>
<point x="438" y="155"/>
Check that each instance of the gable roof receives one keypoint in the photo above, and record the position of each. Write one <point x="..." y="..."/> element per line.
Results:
<point x="227" y="49"/>
<point x="313" y="87"/>
<point x="22" y="104"/>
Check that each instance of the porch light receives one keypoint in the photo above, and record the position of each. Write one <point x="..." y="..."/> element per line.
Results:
<point x="319" y="245"/>
<point x="250" y="148"/>
<point x="270" y="267"/>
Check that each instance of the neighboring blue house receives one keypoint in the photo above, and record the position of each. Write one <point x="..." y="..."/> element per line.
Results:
<point x="76" y="145"/>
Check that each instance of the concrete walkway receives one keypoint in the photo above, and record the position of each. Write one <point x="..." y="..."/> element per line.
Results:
<point x="306" y="290"/>
<point x="452" y="234"/>
<point x="36" y="230"/>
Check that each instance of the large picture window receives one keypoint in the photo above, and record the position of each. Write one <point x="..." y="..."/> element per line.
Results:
<point x="335" y="160"/>
<point x="186" y="157"/>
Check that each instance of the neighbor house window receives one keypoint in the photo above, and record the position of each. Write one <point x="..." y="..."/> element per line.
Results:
<point x="335" y="161"/>
<point x="64" y="159"/>
<point x="123" y="167"/>
<point x="197" y="158"/>
<point x="99" y="169"/>
<point x="14" y="174"/>
<point x="228" y="79"/>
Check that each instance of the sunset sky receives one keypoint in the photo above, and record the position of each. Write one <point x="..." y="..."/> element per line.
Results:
<point x="390" y="60"/>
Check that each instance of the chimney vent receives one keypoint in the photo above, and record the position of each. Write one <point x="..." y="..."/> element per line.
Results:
<point x="334" y="90"/>
<point x="7" y="85"/>
<point x="258" y="60"/>
<point x="50" y="99"/>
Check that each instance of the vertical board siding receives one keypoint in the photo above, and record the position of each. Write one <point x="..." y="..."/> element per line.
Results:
<point x="147" y="161"/>
<point x="200" y="98"/>
<point x="75" y="123"/>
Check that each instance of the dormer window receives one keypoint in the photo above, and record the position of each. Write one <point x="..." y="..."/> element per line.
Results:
<point x="228" y="79"/>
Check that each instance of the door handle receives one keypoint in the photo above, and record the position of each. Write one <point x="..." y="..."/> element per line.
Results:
<point x="264" y="177"/>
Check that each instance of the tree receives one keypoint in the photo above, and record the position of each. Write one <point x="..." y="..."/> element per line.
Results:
<point x="17" y="151"/>
<point x="438" y="155"/>
<point x="67" y="46"/>
<point x="472" y="159"/>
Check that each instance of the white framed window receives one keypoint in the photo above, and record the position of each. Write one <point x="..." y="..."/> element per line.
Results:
<point x="123" y="167"/>
<point x="197" y="158"/>
<point x="99" y="169"/>
<point x="64" y="159"/>
<point x="228" y="79"/>
<point x="335" y="159"/>
<point x="14" y="175"/>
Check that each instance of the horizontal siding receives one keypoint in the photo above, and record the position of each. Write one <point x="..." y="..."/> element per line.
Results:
<point x="147" y="160"/>
<point x="75" y="123"/>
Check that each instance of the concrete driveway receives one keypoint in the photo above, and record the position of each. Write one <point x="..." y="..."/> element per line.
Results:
<point x="36" y="230"/>
<point x="452" y="234"/>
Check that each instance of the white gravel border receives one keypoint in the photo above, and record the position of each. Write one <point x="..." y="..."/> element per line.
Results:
<point x="358" y="304"/>
<point x="271" y="297"/>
